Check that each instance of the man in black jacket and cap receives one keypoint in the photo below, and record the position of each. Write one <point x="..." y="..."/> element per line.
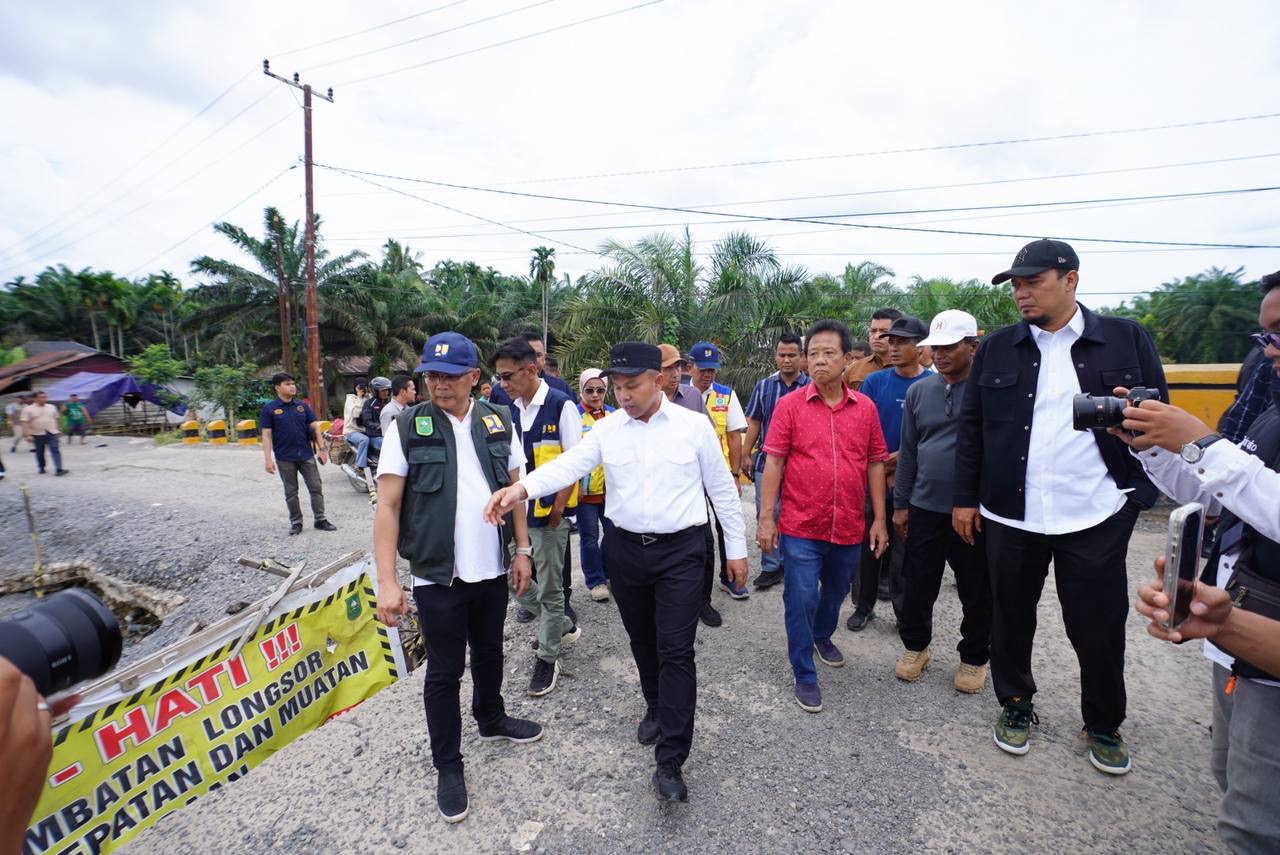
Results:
<point x="1042" y="491"/>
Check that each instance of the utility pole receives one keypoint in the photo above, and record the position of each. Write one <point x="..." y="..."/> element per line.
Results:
<point x="315" y="384"/>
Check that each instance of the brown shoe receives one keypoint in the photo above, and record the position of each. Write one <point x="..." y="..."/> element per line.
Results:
<point x="911" y="663"/>
<point x="970" y="678"/>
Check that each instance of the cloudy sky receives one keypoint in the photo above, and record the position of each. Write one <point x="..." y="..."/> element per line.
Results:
<point x="729" y="107"/>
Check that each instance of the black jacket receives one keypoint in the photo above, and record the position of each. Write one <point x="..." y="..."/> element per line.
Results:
<point x="995" y="420"/>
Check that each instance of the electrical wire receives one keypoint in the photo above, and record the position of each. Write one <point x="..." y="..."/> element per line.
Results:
<point x="455" y="29"/>
<point x="214" y="221"/>
<point x="879" y="152"/>
<point x="510" y="41"/>
<point x="292" y="51"/>
<point x="767" y="218"/>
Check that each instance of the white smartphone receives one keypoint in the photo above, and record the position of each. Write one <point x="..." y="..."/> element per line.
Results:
<point x="1182" y="561"/>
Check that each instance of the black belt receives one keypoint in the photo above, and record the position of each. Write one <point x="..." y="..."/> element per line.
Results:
<point x="651" y="539"/>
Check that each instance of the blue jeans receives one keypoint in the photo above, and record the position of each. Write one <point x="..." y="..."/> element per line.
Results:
<point x="360" y="442"/>
<point x="769" y="561"/>
<point x="593" y="569"/>
<point x="815" y="576"/>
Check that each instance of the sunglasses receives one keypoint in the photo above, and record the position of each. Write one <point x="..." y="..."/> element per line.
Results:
<point x="1267" y="339"/>
<point x="593" y="390"/>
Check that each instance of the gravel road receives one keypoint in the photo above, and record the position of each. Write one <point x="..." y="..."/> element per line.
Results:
<point x="888" y="767"/>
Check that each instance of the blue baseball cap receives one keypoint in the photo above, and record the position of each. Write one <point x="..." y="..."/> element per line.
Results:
<point x="448" y="353"/>
<point x="705" y="355"/>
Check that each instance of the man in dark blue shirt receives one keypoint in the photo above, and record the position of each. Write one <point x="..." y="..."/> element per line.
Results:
<point x="288" y="429"/>
<point x="888" y="389"/>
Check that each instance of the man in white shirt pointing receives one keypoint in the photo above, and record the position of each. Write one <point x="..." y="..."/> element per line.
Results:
<point x="659" y="460"/>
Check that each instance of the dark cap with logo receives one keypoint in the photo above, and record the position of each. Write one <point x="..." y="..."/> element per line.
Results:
<point x="908" y="327"/>
<point x="1039" y="256"/>
<point x="630" y="358"/>
<point x="448" y="353"/>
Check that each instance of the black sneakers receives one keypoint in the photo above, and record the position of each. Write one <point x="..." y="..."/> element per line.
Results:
<point x="296" y="528"/>
<point x="325" y="525"/>
<point x="544" y="677"/>
<point x="669" y="783"/>
<point x="517" y="730"/>
<point x="767" y="579"/>
<point x="709" y="615"/>
<point x="523" y="615"/>
<point x="857" y="621"/>
<point x="648" y="732"/>
<point x="451" y="795"/>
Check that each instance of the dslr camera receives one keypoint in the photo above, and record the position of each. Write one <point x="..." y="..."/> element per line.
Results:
<point x="64" y="639"/>
<point x="1105" y="411"/>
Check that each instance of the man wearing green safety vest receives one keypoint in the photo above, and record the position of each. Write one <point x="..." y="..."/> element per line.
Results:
<point x="730" y="423"/>
<point x="453" y="452"/>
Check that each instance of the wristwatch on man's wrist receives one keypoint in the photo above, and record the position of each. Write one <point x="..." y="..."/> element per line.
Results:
<point x="525" y="550"/>
<point x="1193" y="451"/>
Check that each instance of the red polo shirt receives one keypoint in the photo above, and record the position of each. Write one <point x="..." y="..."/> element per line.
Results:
<point x="825" y="452"/>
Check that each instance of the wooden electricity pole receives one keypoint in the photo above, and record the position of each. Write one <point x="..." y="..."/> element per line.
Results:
<point x="315" y="383"/>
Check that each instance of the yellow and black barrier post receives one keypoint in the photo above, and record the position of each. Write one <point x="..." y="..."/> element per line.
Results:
<point x="247" y="432"/>
<point x="217" y="432"/>
<point x="190" y="432"/>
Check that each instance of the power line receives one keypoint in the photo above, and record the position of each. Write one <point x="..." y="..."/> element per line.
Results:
<point x="879" y="152"/>
<point x="214" y="221"/>
<point x="150" y="177"/>
<point x="370" y="29"/>
<point x="766" y="218"/>
<point x="428" y="36"/>
<point x="500" y="44"/>
<point x="467" y="213"/>
<point x="82" y="199"/>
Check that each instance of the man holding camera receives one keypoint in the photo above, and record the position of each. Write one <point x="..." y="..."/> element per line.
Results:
<point x="1236" y="606"/>
<point x="1041" y="491"/>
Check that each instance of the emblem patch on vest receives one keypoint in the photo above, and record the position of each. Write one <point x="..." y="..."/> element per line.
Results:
<point x="423" y="425"/>
<point x="493" y="423"/>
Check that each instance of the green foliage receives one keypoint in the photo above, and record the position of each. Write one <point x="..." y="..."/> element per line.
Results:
<point x="155" y="365"/>
<point x="234" y="388"/>
<point x="1205" y="318"/>
<point x="10" y="355"/>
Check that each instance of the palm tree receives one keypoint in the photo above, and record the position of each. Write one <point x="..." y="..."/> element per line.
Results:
<point x="991" y="305"/>
<point x="263" y="308"/>
<point x="542" y="268"/>
<point x="1205" y="317"/>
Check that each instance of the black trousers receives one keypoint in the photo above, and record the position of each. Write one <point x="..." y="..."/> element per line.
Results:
<point x="451" y="616"/>
<point x="658" y="590"/>
<point x="931" y="544"/>
<point x="1092" y="582"/>
<point x="866" y="586"/>
<point x="709" y="564"/>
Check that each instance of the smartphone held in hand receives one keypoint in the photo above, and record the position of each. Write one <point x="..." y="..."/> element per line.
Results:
<point x="1182" y="562"/>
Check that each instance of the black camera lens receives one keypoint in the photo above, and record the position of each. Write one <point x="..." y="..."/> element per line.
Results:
<point x="66" y="639"/>
<point x="1100" y="413"/>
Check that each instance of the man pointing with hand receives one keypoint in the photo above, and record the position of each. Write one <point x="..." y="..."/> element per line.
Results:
<point x="658" y="459"/>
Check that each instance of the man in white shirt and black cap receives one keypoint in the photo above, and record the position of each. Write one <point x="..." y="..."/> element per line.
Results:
<point x="660" y="462"/>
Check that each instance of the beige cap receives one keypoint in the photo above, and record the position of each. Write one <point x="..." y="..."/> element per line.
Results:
<point x="670" y="356"/>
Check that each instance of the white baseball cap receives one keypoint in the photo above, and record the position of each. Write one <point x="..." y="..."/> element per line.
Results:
<point x="950" y="327"/>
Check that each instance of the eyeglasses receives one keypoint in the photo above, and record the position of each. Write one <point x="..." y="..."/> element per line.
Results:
<point x="437" y="378"/>
<point x="505" y="376"/>
<point x="1267" y="339"/>
<point x="946" y="402"/>
<point x="593" y="390"/>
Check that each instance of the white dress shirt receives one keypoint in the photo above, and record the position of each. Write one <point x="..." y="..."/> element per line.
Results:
<point x="1226" y="476"/>
<point x="570" y="427"/>
<point x="1068" y="487"/>
<point x="657" y="472"/>
<point x="477" y="546"/>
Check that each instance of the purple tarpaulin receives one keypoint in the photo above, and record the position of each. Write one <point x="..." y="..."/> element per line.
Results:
<point x="99" y="391"/>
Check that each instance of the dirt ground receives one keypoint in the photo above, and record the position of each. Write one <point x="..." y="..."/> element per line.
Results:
<point x="887" y="767"/>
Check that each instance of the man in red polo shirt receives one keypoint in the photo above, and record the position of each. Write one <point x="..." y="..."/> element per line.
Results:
<point x="824" y="445"/>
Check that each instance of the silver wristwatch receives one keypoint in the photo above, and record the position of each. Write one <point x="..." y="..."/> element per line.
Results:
<point x="1193" y="451"/>
<point x="525" y="550"/>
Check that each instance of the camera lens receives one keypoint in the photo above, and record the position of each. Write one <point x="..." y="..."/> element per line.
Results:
<point x="1100" y="413"/>
<point x="68" y="638"/>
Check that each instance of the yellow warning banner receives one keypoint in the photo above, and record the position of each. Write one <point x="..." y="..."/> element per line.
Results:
<point x="208" y="719"/>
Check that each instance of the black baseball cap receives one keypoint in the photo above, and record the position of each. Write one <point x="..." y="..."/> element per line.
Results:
<point x="1039" y="256"/>
<point x="630" y="358"/>
<point x="909" y="327"/>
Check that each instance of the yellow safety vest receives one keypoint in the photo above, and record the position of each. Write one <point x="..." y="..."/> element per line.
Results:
<point x="717" y="401"/>
<point x="593" y="483"/>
